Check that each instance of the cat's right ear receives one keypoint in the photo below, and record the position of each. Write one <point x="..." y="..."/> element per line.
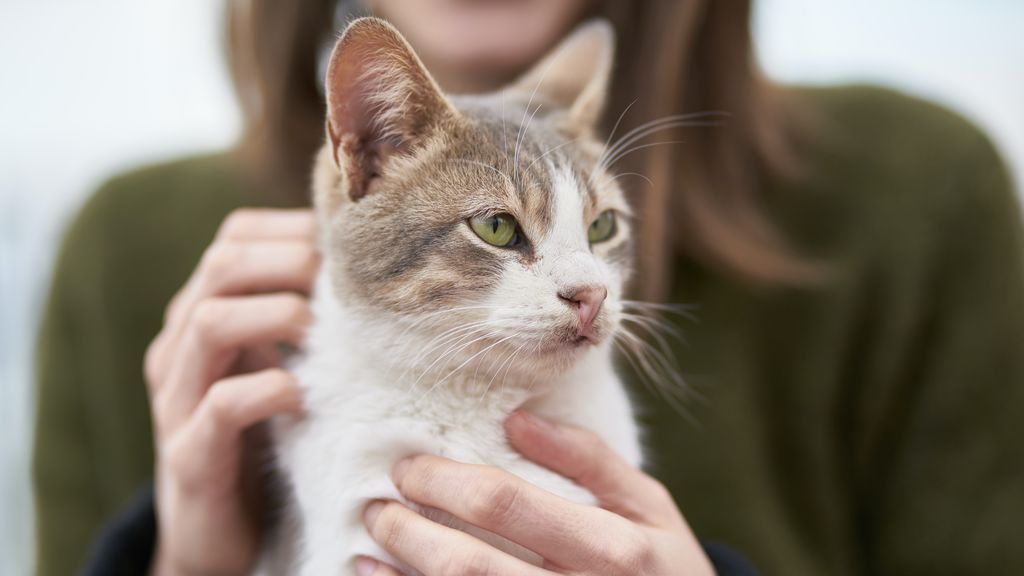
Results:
<point x="380" y="100"/>
<point x="575" y="75"/>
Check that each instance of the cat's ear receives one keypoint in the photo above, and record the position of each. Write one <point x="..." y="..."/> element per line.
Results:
<point x="380" y="100"/>
<point x="576" y="73"/>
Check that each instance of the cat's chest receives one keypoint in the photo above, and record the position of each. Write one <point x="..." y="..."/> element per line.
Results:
<point x="352" y="448"/>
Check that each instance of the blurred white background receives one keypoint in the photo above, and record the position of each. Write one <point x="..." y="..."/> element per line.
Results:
<point x="90" y="88"/>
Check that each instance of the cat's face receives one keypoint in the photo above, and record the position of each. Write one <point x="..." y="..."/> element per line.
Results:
<point x="480" y="225"/>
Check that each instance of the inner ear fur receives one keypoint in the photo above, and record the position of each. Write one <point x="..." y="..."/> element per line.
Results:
<point x="380" y="100"/>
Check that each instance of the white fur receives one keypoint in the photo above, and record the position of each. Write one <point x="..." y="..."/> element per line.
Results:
<point x="375" y="392"/>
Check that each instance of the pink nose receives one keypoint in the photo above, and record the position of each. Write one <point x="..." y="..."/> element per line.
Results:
<point x="587" y="300"/>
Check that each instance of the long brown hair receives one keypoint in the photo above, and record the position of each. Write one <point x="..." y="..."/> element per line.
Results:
<point x="674" y="57"/>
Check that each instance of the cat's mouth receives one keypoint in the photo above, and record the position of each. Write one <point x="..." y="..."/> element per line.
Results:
<point x="569" y="343"/>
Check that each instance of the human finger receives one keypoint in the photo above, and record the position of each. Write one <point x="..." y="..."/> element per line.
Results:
<point x="583" y="457"/>
<point x="371" y="567"/>
<point x="436" y="550"/>
<point x="563" y="532"/>
<point x="268" y="224"/>
<point x="208" y="445"/>
<point x="232" y="268"/>
<point x="219" y="330"/>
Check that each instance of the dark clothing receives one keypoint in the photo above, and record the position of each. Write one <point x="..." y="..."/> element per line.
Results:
<point x="126" y="545"/>
<point x="870" y="425"/>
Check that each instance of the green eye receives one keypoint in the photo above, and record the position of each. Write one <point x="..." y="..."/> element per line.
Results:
<point x="497" y="229"/>
<point x="603" y="228"/>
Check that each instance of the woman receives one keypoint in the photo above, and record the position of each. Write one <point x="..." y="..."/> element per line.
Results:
<point x="857" y="258"/>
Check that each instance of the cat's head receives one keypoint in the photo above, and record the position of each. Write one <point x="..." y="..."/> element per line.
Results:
<point x="483" y="225"/>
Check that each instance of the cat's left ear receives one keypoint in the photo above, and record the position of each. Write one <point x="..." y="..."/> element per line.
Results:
<point x="575" y="74"/>
<point x="381" y="101"/>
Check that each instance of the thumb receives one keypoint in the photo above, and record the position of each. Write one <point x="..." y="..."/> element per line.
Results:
<point x="581" y="456"/>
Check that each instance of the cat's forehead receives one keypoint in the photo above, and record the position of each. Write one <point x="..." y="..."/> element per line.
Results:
<point x="522" y="127"/>
<point x="517" y="158"/>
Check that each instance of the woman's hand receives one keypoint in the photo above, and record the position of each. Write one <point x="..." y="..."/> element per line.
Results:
<point x="636" y="529"/>
<point x="213" y="372"/>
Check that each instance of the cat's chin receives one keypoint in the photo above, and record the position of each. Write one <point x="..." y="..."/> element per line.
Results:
<point x="566" y="351"/>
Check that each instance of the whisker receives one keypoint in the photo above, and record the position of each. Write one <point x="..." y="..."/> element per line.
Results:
<point x="652" y="325"/>
<point x="554" y="149"/>
<point x="519" y="143"/>
<point x="463" y="365"/>
<point x="522" y="123"/>
<point x="660" y="379"/>
<point x="504" y="129"/>
<point x="608" y="141"/>
<point x="694" y="119"/>
<point x="648" y="128"/>
<point x="648" y="375"/>
<point x="509" y="366"/>
<point x="440" y="339"/>
<point x="620" y="156"/>
<point x="507" y="361"/>
<point x="460" y="343"/>
<point x="421" y="323"/>
<point x="683" y="310"/>
<point x="637" y="174"/>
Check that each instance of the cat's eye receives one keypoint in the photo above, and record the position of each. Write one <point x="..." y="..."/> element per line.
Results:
<point x="499" y="230"/>
<point x="602" y="228"/>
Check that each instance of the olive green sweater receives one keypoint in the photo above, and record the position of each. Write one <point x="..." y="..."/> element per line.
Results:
<point x="873" y="425"/>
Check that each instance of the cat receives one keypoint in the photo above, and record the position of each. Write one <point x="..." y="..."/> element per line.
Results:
<point x="474" y="254"/>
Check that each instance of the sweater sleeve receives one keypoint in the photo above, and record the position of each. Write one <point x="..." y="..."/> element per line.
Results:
<point x="91" y="441"/>
<point x="944" y="492"/>
<point x="67" y="495"/>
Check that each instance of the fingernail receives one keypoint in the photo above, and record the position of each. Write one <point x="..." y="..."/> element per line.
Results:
<point x="398" y="472"/>
<point x="366" y="566"/>
<point x="371" y="513"/>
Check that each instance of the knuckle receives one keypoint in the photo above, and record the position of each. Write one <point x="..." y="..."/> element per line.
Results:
<point x="420" y="476"/>
<point x="296" y="309"/>
<point x="281" y="384"/>
<point x="178" y="457"/>
<point x="160" y="406"/>
<point x="279" y="376"/>
<point x="237" y="223"/>
<point x="591" y="443"/>
<point x="658" y="490"/>
<point x="151" y="364"/>
<point x="631" y="554"/>
<point x="172" y="456"/>
<point x="171" y="311"/>
<point x="207" y="317"/>
<point x="185" y="467"/>
<point x="310" y="258"/>
<point x="219" y="405"/>
<point x="391" y="527"/>
<point x="496" y="500"/>
<point x="218" y="262"/>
